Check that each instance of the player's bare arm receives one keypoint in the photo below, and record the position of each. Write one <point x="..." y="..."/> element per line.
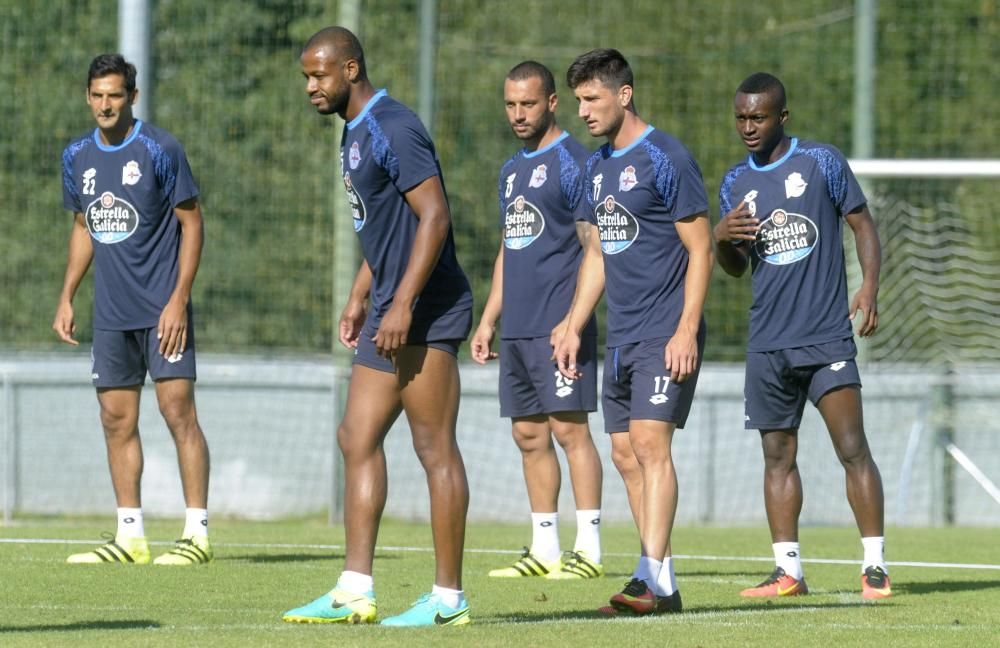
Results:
<point x="589" y="288"/>
<point x="352" y="319"/>
<point x="869" y="251"/>
<point x="428" y="203"/>
<point x="681" y="352"/>
<point x="171" y="330"/>
<point x="482" y="339"/>
<point x="81" y="253"/>
<point x="559" y="330"/>
<point x="737" y="225"/>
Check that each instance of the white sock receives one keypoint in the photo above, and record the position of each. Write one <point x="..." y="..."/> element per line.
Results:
<point x="788" y="557"/>
<point x="453" y="598"/>
<point x="130" y="523"/>
<point x="356" y="582"/>
<point x="195" y="522"/>
<point x="648" y="571"/>
<point x="545" y="536"/>
<point x="666" y="581"/>
<point x="588" y="533"/>
<point x="874" y="547"/>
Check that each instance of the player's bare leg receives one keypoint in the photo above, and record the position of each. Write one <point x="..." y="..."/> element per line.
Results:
<point x="120" y="419"/>
<point x="628" y="467"/>
<point x="176" y="400"/>
<point x="782" y="484"/>
<point x="538" y="461"/>
<point x="373" y="404"/>
<point x="651" y="441"/>
<point x="572" y="432"/>
<point x="841" y="410"/>
<point x="430" y="396"/>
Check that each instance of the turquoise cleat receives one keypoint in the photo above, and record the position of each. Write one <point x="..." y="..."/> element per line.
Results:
<point x="430" y="611"/>
<point x="336" y="606"/>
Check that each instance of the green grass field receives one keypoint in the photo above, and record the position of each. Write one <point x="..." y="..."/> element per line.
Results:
<point x="262" y="569"/>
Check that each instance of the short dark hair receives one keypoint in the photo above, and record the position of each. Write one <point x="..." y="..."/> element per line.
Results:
<point x="343" y="42"/>
<point x="605" y="65"/>
<point x="530" y="69"/>
<point x="108" y="64"/>
<point x="764" y="83"/>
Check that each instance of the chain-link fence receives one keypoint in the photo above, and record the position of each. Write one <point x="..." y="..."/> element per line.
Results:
<point x="227" y="85"/>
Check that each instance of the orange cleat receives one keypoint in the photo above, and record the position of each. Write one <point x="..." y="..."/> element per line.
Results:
<point x="778" y="584"/>
<point x="636" y="598"/>
<point x="875" y="584"/>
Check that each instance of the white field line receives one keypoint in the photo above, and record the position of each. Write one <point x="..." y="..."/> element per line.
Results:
<point x="390" y="548"/>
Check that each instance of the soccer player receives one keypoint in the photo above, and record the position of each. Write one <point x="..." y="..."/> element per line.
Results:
<point x="136" y="217"/>
<point x="543" y="218"/>
<point x="406" y="344"/>
<point x="650" y="215"/>
<point x="785" y="207"/>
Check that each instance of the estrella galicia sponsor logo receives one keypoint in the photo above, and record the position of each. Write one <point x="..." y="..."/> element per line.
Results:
<point x="617" y="225"/>
<point x="785" y="238"/>
<point x="523" y="223"/>
<point x="111" y="219"/>
<point x="358" y="212"/>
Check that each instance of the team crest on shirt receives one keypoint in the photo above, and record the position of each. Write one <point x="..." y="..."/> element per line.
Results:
<point x="618" y="227"/>
<point x="785" y="238"/>
<point x="627" y="179"/>
<point x="795" y="186"/>
<point x="131" y="173"/>
<point x="522" y="224"/>
<point x="538" y="176"/>
<point x="510" y="185"/>
<point x="111" y="219"/>
<point x="354" y="156"/>
<point x="749" y="201"/>
<point x="358" y="212"/>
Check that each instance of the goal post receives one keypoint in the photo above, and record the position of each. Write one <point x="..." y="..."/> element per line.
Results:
<point x="939" y="308"/>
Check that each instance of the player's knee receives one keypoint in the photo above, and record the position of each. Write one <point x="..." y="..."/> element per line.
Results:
<point x="118" y="423"/>
<point x="179" y="415"/>
<point x="433" y="448"/>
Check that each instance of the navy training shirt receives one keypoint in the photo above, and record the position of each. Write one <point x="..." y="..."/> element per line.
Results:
<point x="638" y="193"/>
<point x="798" y="274"/>
<point x="541" y="200"/>
<point x="127" y="194"/>
<point x="385" y="151"/>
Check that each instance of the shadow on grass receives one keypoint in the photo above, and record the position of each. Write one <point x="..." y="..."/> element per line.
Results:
<point x="82" y="625"/>
<point x="542" y="617"/>
<point x="279" y="558"/>
<point x="936" y="587"/>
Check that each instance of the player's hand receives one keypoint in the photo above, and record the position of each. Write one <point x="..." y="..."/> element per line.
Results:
<point x="680" y="356"/>
<point x="738" y="225"/>
<point x="558" y="331"/>
<point x="482" y="343"/>
<point x="63" y="324"/>
<point x="865" y="301"/>
<point x="392" y="331"/>
<point x="171" y="330"/>
<point x="352" y="320"/>
<point x="565" y="355"/>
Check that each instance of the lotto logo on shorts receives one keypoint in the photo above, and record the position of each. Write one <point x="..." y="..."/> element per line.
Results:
<point x="658" y="399"/>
